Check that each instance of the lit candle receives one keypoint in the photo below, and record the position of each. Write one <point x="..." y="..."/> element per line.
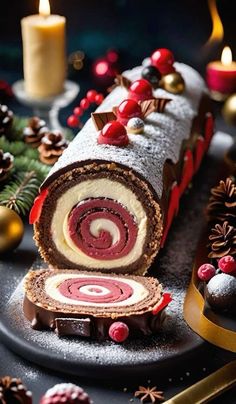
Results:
<point x="43" y="37"/>
<point x="221" y="76"/>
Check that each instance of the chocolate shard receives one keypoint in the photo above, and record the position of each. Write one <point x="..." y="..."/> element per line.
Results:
<point x="100" y="119"/>
<point x="73" y="326"/>
<point x="121" y="81"/>
<point x="154" y="105"/>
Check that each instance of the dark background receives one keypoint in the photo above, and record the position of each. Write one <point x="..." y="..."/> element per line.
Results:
<point x="134" y="27"/>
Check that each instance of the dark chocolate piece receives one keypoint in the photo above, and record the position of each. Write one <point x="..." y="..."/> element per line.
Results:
<point x="100" y="119"/>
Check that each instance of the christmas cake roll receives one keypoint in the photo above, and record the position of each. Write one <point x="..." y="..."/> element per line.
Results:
<point x="72" y="302"/>
<point x="108" y="203"/>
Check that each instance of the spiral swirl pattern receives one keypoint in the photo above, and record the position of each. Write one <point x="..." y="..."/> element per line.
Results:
<point x="115" y="241"/>
<point x="96" y="290"/>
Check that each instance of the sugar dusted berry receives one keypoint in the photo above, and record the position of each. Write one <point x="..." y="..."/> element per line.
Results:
<point x="227" y="264"/>
<point x="118" y="331"/>
<point x="65" y="393"/>
<point x="140" y="90"/>
<point x="206" y="272"/>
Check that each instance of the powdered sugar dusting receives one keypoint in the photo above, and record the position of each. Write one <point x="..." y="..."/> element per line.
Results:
<point x="221" y="285"/>
<point x="162" y="137"/>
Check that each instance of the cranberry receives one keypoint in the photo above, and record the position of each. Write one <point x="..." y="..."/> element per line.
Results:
<point x="78" y="111"/>
<point x="99" y="98"/>
<point x="91" y="94"/>
<point x="163" y="60"/>
<point x="140" y="90"/>
<point x="227" y="264"/>
<point x="118" y="331"/>
<point x="206" y="272"/>
<point x="84" y="103"/>
<point x="73" y="121"/>
<point x="128" y="109"/>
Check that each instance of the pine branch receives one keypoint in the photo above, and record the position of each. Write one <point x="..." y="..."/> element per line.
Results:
<point x="19" y="194"/>
<point x="17" y="148"/>
<point x="24" y="163"/>
<point x="19" y="124"/>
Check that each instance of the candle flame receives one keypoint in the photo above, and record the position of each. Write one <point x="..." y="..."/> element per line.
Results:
<point x="226" y="56"/>
<point x="217" y="32"/>
<point x="44" y="8"/>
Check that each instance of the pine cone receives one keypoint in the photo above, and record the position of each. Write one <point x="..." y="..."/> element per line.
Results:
<point x="34" y="132"/>
<point x="222" y="241"/>
<point x="222" y="203"/>
<point x="12" y="391"/>
<point x="6" y="164"/>
<point x="6" y="119"/>
<point x="52" y="146"/>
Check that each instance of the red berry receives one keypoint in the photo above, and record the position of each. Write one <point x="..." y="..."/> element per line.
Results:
<point x="65" y="393"/>
<point x="78" y="111"/>
<point x="140" y="90"/>
<point x="91" y="94"/>
<point x="84" y="103"/>
<point x="206" y="272"/>
<point x="163" y="60"/>
<point x="99" y="99"/>
<point x="73" y="121"/>
<point x="118" y="331"/>
<point x="227" y="264"/>
<point x="113" y="133"/>
<point x="128" y="109"/>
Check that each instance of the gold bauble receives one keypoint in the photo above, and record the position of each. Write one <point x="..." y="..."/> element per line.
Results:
<point x="173" y="83"/>
<point x="11" y="230"/>
<point x="229" y="110"/>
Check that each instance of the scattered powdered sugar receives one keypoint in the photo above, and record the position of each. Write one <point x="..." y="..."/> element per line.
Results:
<point x="222" y="285"/>
<point x="173" y="268"/>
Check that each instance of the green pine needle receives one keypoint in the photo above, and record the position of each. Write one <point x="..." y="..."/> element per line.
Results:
<point x="20" y="193"/>
<point x="24" y="163"/>
<point x="17" y="148"/>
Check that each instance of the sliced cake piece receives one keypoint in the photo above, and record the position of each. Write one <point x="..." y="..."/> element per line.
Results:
<point x="94" y="305"/>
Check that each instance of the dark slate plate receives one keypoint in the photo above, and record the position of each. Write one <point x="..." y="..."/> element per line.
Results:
<point x="176" y="342"/>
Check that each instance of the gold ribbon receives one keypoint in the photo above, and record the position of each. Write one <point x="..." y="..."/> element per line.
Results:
<point x="194" y="306"/>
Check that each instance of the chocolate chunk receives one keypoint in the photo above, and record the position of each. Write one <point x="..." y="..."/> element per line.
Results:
<point x="73" y="326"/>
<point x="100" y="119"/>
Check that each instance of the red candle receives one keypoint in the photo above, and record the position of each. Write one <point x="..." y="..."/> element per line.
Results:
<point x="221" y="76"/>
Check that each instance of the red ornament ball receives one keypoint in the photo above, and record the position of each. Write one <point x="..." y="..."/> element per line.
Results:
<point x="91" y="94"/>
<point x="113" y="133"/>
<point x="118" y="331"/>
<point x="140" y="90"/>
<point x="99" y="99"/>
<point x="163" y="60"/>
<point x="206" y="272"/>
<point x="227" y="264"/>
<point x="65" y="393"/>
<point x="84" y="103"/>
<point x="73" y="121"/>
<point x="78" y="111"/>
<point x="128" y="109"/>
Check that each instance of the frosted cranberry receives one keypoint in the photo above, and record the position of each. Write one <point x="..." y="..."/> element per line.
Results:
<point x="206" y="272"/>
<point x="140" y="90"/>
<point x="99" y="98"/>
<point x="163" y="60"/>
<point x="91" y="94"/>
<point x="118" y="331"/>
<point x="84" y="103"/>
<point x="72" y="121"/>
<point x="128" y="109"/>
<point x="227" y="264"/>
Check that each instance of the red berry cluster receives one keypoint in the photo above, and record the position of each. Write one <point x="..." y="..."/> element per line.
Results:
<point x="92" y="97"/>
<point x="226" y="264"/>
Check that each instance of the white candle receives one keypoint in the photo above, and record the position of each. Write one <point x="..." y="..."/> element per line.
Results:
<point x="44" y="52"/>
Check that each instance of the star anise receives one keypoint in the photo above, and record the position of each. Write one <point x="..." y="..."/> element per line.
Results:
<point x="149" y="394"/>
